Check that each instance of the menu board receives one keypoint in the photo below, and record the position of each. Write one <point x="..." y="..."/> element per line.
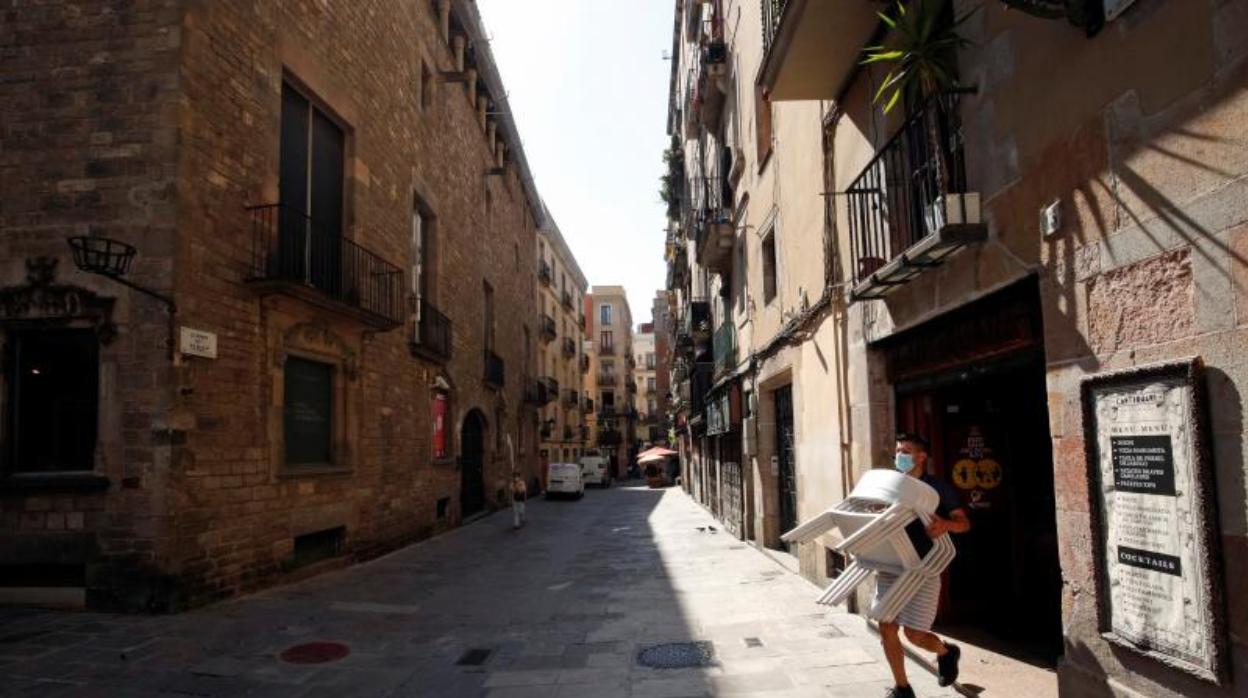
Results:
<point x="1159" y="593"/>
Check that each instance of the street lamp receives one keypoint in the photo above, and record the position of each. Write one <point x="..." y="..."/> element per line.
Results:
<point x="111" y="258"/>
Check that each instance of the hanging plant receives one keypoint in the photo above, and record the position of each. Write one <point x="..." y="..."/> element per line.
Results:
<point x="672" y="182"/>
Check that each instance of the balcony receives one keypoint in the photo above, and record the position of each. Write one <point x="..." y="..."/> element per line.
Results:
<point x="569" y="347"/>
<point x="584" y="363"/>
<point x="494" y="372"/>
<point x="571" y="398"/>
<point x="293" y="254"/>
<point x="543" y="272"/>
<point x="431" y="332"/>
<point x="630" y="384"/>
<point x="606" y="350"/>
<point x="565" y="298"/>
<point x="700" y="380"/>
<point x="531" y="392"/>
<point x="609" y="437"/>
<point x="606" y="379"/>
<point x="696" y="322"/>
<point x="548" y="389"/>
<point x="713" y="227"/>
<point x="812" y="46"/>
<point x="677" y="267"/>
<point x="607" y="412"/>
<point x="581" y="321"/>
<point x="546" y="328"/>
<point x="909" y="209"/>
<point x="589" y="405"/>
<point x="546" y="430"/>
<point x="724" y="348"/>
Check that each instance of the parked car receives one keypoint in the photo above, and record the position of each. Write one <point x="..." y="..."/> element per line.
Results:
<point x="596" y="469"/>
<point x="564" y="479"/>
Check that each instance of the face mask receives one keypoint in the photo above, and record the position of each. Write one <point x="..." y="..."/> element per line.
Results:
<point x="904" y="462"/>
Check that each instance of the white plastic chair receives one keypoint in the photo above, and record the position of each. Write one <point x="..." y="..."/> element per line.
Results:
<point x="872" y="522"/>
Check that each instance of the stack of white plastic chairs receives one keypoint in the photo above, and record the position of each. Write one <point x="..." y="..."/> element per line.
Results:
<point x="872" y="522"/>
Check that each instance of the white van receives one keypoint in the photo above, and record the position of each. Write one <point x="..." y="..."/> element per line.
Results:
<point x="564" y="479"/>
<point x="595" y="469"/>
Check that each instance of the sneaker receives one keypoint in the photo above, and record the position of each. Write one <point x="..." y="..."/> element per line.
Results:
<point x="900" y="692"/>
<point x="948" y="664"/>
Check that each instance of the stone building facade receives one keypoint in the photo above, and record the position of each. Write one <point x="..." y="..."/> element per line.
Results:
<point x="1087" y="219"/>
<point x="336" y="201"/>
<point x="562" y="363"/>
<point x="646" y="401"/>
<point x="609" y="324"/>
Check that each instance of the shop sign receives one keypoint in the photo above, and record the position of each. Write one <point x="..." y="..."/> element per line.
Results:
<point x="977" y="473"/>
<point x="1159" y="585"/>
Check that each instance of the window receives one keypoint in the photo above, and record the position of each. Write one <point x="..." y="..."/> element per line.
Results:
<point x="608" y="399"/>
<point x="419" y="252"/>
<point x="489" y="316"/>
<point x="608" y="368"/>
<point x="53" y="399"/>
<point x="650" y="384"/>
<point x="608" y="340"/>
<point x="762" y="125"/>
<point x="307" y="411"/>
<point x="312" y="153"/>
<point x="769" y="266"/>
<point x="604" y="313"/>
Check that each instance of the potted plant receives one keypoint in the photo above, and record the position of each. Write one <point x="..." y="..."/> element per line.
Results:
<point x="921" y="56"/>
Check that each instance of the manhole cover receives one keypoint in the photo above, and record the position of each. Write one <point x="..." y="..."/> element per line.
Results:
<point x="474" y="657"/>
<point x="677" y="655"/>
<point x="315" y="653"/>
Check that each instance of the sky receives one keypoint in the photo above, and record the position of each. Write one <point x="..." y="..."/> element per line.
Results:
<point x="587" y="82"/>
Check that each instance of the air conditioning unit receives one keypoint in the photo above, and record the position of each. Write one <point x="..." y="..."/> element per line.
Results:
<point x="749" y="440"/>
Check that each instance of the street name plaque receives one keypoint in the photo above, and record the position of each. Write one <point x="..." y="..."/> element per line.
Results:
<point x="1159" y="582"/>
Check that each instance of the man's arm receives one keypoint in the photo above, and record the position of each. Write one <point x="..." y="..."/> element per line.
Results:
<point x="956" y="523"/>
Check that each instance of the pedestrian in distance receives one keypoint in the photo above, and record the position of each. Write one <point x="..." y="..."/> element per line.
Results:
<point x="519" y="493"/>
<point x="916" y="617"/>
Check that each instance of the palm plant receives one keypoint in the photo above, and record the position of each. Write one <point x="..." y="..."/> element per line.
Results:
<point x="921" y="54"/>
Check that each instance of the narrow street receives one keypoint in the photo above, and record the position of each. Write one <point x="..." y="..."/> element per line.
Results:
<point x="561" y="608"/>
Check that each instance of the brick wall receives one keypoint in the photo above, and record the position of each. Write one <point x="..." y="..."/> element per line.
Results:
<point x="212" y="512"/>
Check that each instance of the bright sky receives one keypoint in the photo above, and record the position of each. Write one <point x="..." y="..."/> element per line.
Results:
<point x="588" y="90"/>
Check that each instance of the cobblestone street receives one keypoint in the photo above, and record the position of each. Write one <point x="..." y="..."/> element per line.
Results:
<point x="560" y="608"/>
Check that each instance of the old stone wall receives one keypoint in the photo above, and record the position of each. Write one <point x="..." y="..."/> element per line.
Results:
<point x="410" y="136"/>
<point x="158" y="123"/>
<point x="88" y="92"/>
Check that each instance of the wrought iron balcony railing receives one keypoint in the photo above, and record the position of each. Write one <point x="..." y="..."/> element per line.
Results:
<point x="571" y="398"/>
<point x="584" y="363"/>
<point x="606" y="378"/>
<point x="569" y="347"/>
<point x="565" y="298"/>
<point x="546" y="327"/>
<point x="549" y="388"/>
<point x="910" y="208"/>
<point x="543" y="272"/>
<point x="609" y="437"/>
<point x="589" y="405"/>
<point x="772" y="11"/>
<point x="494" y="371"/>
<point x="292" y="251"/>
<point x="431" y="333"/>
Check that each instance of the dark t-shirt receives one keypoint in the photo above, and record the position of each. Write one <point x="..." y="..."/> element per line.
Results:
<point x="949" y="500"/>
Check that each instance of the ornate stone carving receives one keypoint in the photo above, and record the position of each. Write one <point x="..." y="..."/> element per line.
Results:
<point x="42" y="300"/>
<point x="317" y="337"/>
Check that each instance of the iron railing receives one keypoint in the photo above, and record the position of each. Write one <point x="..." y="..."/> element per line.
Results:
<point x="494" y="372"/>
<point x="606" y="378"/>
<point x="772" y="11"/>
<point x="567" y="432"/>
<point x="696" y="318"/>
<point x="589" y="405"/>
<point x="543" y="272"/>
<point x="700" y="380"/>
<point x="584" y="363"/>
<point x="566" y="299"/>
<point x="609" y="437"/>
<point x="571" y="398"/>
<point x="289" y="246"/>
<point x="569" y="347"/>
<point x="896" y="201"/>
<point x="432" y="332"/>
<point x="546" y="327"/>
<point x="548" y="388"/>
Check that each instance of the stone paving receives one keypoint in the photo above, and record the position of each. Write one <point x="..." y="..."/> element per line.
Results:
<point x="561" y="608"/>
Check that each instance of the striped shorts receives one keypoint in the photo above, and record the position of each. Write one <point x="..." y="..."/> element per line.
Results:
<point x="921" y="611"/>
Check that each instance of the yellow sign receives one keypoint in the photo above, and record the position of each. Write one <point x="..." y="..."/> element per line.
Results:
<point x="969" y="474"/>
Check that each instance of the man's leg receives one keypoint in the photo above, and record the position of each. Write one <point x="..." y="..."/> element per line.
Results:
<point x="893" y="653"/>
<point x="928" y="641"/>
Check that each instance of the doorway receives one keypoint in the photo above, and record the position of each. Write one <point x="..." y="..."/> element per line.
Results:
<point x="786" y="458"/>
<point x="472" y="465"/>
<point x="973" y="383"/>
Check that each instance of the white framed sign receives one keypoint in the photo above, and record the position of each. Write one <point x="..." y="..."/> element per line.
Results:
<point x="1159" y="578"/>
<point x="193" y="342"/>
